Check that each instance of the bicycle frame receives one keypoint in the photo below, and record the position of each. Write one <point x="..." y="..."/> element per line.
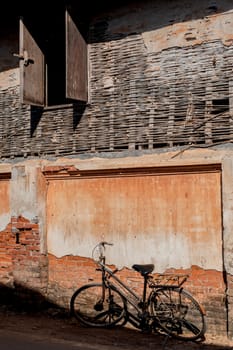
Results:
<point x="138" y="303"/>
<point x="167" y="307"/>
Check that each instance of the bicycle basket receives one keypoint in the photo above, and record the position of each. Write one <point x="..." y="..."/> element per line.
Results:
<point x="166" y="280"/>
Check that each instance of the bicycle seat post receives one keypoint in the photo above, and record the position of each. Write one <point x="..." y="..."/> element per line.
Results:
<point x="144" y="290"/>
<point x="144" y="270"/>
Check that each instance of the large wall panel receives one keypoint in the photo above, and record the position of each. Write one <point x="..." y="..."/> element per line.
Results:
<point x="169" y="219"/>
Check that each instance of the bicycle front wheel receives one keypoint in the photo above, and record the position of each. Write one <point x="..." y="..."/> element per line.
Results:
<point x="96" y="305"/>
<point x="178" y="313"/>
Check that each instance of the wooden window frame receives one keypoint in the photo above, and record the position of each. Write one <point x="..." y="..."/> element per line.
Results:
<point x="36" y="82"/>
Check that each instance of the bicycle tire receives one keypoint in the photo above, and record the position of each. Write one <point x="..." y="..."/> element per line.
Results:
<point x="178" y="313"/>
<point x="88" y="307"/>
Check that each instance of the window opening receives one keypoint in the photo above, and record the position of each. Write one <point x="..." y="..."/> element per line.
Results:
<point x="52" y="32"/>
<point x="220" y="105"/>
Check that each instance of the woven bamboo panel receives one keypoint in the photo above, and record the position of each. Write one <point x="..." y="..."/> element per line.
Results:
<point x="178" y="97"/>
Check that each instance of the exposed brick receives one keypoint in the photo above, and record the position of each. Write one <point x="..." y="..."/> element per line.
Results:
<point x="24" y="265"/>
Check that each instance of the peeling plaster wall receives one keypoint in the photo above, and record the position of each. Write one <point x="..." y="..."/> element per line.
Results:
<point x="138" y="58"/>
<point x="227" y="199"/>
<point x="5" y="215"/>
<point x="5" y="203"/>
<point x="28" y="196"/>
<point x="172" y="217"/>
<point x="49" y="190"/>
<point x="180" y="24"/>
<point x="74" y="231"/>
<point x="73" y="242"/>
<point x="24" y="191"/>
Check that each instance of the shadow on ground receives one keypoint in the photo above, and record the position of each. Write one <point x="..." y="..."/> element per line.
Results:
<point x="23" y="299"/>
<point x="27" y="312"/>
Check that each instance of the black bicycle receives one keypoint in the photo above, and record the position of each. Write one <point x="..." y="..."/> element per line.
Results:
<point x="164" y="306"/>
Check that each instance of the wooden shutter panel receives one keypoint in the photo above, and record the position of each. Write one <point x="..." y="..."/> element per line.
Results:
<point x="76" y="62"/>
<point x="32" y="74"/>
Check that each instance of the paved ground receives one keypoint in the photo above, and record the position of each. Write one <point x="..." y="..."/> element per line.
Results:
<point x="61" y="329"/>
<point x="17" y="341"/>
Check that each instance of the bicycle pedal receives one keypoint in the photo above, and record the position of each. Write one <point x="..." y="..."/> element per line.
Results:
<point x="146" y="330"/>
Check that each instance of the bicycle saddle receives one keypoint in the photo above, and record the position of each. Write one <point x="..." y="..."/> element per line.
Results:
<point x="144" y="269"/>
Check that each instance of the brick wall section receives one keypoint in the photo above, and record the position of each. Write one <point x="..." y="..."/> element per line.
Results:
<point x="71" y="272"/>
<point x="32" y="277"/>
<point x="67" y="274"/>
<point x="209" y="288"/>
<point x="23" y="269"/>
<point x="6" y="264"/>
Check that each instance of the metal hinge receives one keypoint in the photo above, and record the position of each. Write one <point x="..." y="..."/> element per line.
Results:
<point x="24" y="57"/>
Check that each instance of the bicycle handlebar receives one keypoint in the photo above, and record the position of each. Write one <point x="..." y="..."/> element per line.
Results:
<point x="103" y="243"/>
<point x="100" y="247"/>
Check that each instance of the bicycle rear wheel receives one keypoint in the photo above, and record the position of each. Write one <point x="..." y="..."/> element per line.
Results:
<point x="178" y="313"/>
<point x="96" y="305"/>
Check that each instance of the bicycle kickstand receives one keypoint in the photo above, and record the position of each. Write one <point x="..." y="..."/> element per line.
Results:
<point x="165" y="341"/>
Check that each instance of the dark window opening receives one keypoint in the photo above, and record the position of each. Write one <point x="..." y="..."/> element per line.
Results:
<point x="220" y="105"/>
<point x="55" y="63"/>
<point x="58" y="52"/>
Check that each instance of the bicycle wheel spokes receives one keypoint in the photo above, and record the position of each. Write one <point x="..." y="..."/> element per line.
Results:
<point x="94" y="308"/>
<point x="178" y="313"/>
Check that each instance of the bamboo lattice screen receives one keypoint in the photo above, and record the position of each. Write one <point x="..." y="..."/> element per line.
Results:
<point x="178" y="97"/>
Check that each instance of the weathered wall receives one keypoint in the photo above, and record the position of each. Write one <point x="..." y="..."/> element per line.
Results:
<point x="23" y="254"/>
<point x="160" y="76"/>
<point x="56" y="269"/>
<point x="167" y="24"/>
<point x="227" y="198"/>
<point x="28" y="195"/>
<point x="174" y="217"/>
<point x="86" y="224"/>
<point x="23" y="267"/>
<point x="68" y="273"/>
<point x="5" y="197"/>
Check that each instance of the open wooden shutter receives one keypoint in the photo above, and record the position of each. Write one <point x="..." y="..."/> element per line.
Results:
<point x="32" y="71"/>
<point x="76" y="62"/>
